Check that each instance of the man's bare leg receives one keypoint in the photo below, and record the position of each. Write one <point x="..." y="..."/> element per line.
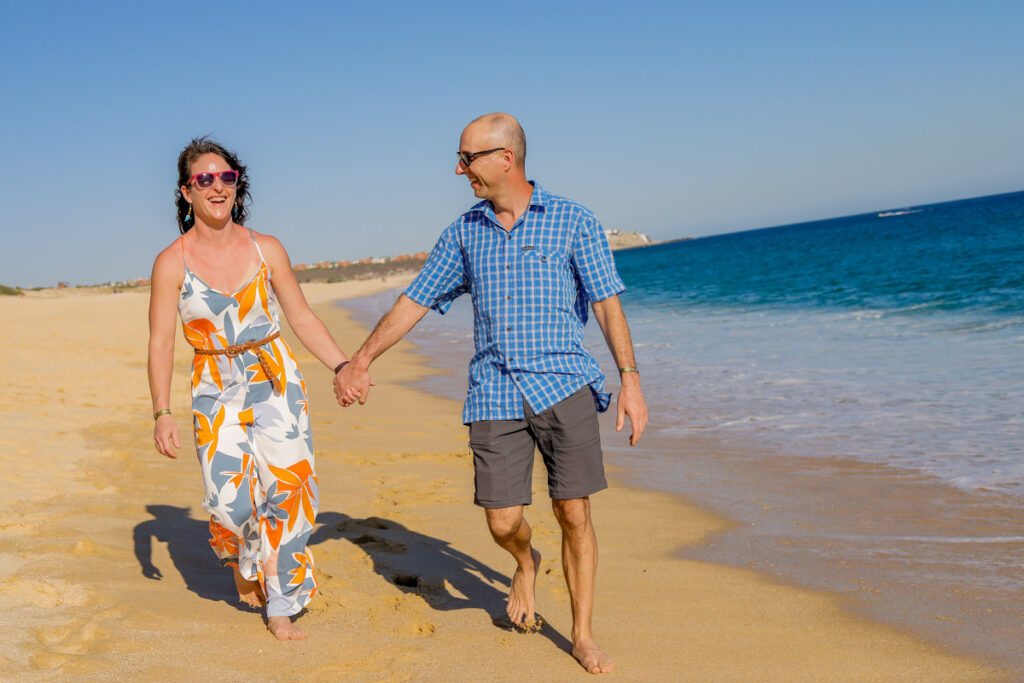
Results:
<point x="579" y="562"/>
<point x="510" y="530"/>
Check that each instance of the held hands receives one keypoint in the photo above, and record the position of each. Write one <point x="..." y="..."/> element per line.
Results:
<point x="352" y="383"/>
<point x="631" y="403"/>
<point x="165" y="434"/>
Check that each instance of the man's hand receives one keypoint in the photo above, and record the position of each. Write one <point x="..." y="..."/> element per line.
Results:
<point x="631" y="403"/>
<point x="351" y="384"/>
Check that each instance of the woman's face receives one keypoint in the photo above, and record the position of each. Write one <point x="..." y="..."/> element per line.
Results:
<point x="211" y="205"/>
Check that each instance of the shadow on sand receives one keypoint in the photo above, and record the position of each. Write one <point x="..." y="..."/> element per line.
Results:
<point x="443" y="577"/>
<point x="188" y="544"/>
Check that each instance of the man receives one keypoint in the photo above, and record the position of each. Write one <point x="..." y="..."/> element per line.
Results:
<point x="532" y="262"/>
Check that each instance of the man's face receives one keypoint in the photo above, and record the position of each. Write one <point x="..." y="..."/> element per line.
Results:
<point x="486" y="172"/>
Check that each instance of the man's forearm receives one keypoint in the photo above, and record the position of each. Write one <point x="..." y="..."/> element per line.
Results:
<point x="612" y="321"/>
<point x="395" y="324"/>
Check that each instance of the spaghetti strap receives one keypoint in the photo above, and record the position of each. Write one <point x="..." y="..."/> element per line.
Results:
<point x="181" y="241"/>
<point x="258" y="250"/>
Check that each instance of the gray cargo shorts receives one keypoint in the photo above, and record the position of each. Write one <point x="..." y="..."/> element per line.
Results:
<point x="568" y="439"/>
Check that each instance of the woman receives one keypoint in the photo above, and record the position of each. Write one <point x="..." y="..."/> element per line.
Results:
<point x="249" y="411"/>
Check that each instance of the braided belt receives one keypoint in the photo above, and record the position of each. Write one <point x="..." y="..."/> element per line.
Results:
<point x="238" y="349"/>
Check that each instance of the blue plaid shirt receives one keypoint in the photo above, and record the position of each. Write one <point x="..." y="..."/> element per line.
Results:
<point x="530" y="287"/>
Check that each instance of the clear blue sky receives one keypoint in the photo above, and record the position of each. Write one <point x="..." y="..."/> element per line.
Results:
<point x="676" y="119"/>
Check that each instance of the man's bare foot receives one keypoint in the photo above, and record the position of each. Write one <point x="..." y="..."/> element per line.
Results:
<point x="521" y="597"/>
<point x="249" y="592"/>
<point x="592" y="658"/>
<point x="284" y="629"/>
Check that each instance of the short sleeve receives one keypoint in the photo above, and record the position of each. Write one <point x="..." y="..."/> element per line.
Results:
<point x="593" y="261"/>
<point x="443" y="278"/>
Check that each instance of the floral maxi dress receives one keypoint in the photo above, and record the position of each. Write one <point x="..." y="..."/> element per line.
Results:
<point x="253" y="442"/>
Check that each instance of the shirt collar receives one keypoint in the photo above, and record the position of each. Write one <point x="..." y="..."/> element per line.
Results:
<point x="540" y="196"/>
<point x="539" y="200"/>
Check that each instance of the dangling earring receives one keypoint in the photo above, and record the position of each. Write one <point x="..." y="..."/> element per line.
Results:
<point x="188" y="216"/>
<point x="235" y="212"/>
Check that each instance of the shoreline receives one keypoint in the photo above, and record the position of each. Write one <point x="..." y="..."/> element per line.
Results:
<point x="801" y="520"/>
<point x="410" y="580"/>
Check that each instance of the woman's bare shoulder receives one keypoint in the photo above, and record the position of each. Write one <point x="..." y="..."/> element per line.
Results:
<point x="272" y="249"/>
<point x="170" y="260"/>
<point x="267" y="241"/>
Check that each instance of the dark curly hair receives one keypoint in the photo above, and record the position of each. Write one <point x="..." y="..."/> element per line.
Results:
<point x="195" y="149"/>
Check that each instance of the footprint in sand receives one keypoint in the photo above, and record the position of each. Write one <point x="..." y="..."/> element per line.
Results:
<point x="64" y="644"/>
<point x="75" y="638"/>
<point x="43" y="593"/>
<point x="376" y="543"/>
<point x="85" y="547"/>
<point x="423" y="628"/>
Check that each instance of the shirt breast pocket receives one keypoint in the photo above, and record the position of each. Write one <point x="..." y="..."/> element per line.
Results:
<point x="546" y="276"/>
<point x="535" y="257"/>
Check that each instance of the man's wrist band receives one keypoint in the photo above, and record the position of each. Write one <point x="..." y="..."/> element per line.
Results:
<point x="165" y="411"/>
<point x="628" y="368"/>
<point x="340" y="366"/>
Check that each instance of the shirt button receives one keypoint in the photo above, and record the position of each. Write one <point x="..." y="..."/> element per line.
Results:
<point x="509" y="297"/>
<point x="509" y="328"/>
<point x="508" y="266"/>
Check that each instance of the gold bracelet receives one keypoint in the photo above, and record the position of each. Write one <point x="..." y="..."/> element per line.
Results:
<point x="628" y="368"/>
<point x="165" y="411"/>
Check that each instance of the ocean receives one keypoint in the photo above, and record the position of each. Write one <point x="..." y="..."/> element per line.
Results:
<point x="894" y="337"/>
<point x="850" y="392"/>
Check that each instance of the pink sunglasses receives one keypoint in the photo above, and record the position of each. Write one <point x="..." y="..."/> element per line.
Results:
<point x="205" y="180"/>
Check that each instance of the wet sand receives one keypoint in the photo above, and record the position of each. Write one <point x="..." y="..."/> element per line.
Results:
<point x="896" y="545"/>
<point x="105" y="572"/>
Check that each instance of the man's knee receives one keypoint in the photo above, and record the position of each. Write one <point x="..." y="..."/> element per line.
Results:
<point x="573" y="514"/>
<point x="504" y="523"/>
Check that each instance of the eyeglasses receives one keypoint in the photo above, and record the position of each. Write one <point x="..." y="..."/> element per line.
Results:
<point x="205" y="180"/>
<point x="467" y="157"/>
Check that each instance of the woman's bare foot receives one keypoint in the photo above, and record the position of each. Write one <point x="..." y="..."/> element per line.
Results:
<point x="592" y="658"/>
<point x="521" y="597"/>
<point x="284" y="629"/>
<point x="249" y="592"/>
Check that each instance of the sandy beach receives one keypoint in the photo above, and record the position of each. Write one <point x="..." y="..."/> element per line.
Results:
<point x="105" y="571"/>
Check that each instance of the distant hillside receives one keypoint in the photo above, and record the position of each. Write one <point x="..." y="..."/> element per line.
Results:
<point x="356" y="271"/>
<point x="10" y="291"/>
<point x="618" y="239"/>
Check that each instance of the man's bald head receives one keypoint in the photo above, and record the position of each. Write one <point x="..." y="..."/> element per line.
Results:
<point x="503" y="130"/>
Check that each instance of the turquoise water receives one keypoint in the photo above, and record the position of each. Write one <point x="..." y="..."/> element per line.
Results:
<point x="893" y="338"/>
